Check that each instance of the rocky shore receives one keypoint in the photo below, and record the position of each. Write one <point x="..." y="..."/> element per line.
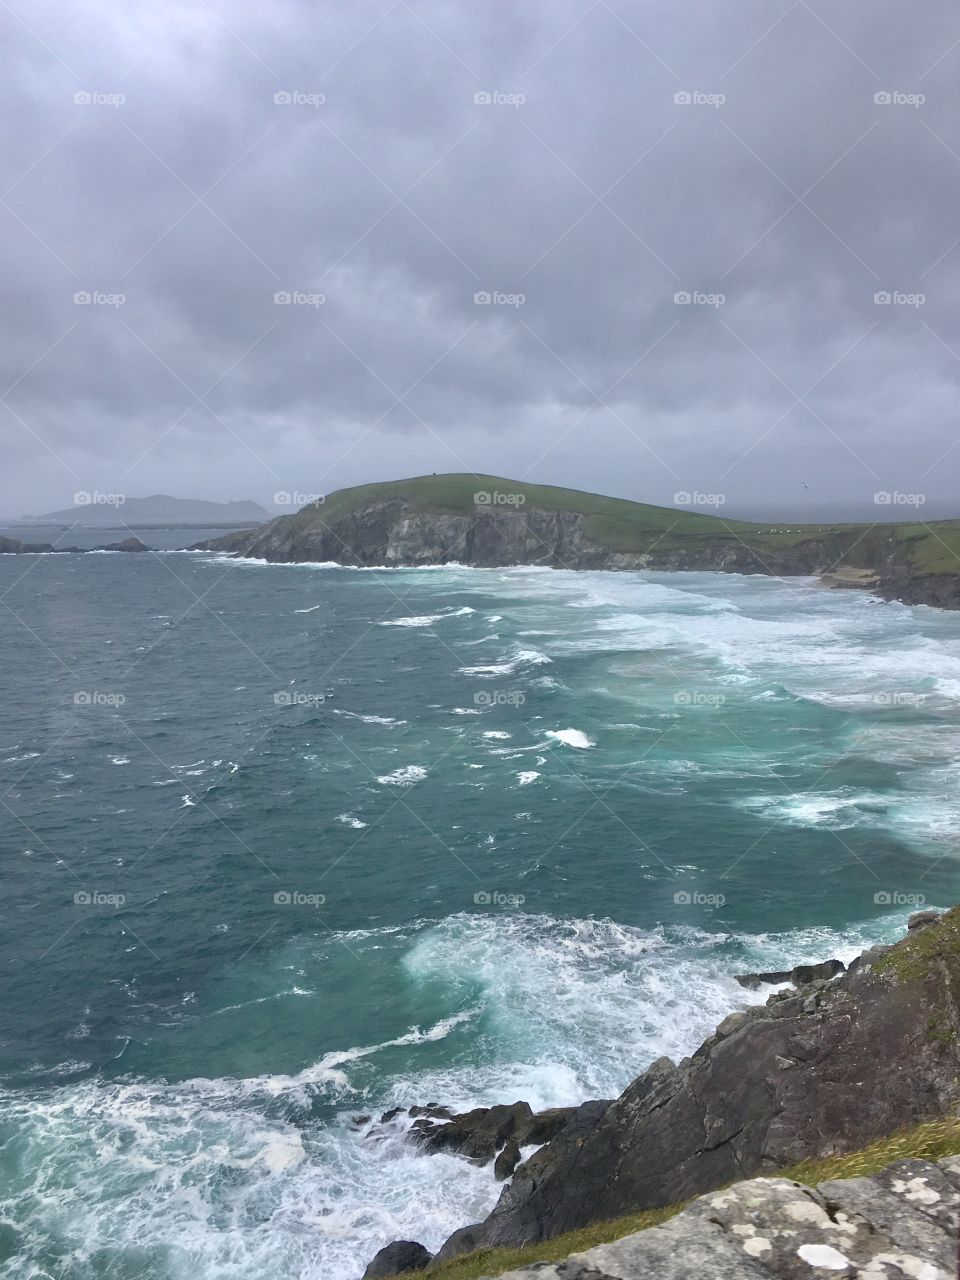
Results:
<point x="436" y="520"/>
<point x="829" y="1064"/>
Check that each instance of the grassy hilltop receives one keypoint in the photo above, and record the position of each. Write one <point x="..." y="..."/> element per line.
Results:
<point x="635" y="527"/>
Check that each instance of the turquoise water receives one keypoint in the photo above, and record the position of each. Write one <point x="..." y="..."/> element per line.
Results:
<point x="288" y="845"/>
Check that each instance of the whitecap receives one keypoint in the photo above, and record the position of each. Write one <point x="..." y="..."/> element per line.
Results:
<point x="571" y="737"/>
<point x="403" y="777"/>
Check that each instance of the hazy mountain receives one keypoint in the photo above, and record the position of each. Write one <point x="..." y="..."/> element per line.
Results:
<point x="103" y="509"/>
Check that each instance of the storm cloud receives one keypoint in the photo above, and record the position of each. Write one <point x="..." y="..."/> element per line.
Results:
<point x="632" y="248"/>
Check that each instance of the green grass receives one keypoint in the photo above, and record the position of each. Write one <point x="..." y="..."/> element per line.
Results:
<point x="638" y="528"/>
<point x="923" y="958"/>
<point x="929" y="1141"/>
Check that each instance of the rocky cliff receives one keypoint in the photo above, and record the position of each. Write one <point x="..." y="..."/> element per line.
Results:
<point x="435" y="520"/>
<point x="825" y="1067"/>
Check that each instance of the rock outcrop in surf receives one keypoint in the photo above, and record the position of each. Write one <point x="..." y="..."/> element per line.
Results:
<point x="825" y="1067"/>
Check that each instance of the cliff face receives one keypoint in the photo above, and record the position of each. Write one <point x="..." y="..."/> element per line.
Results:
<point x="432" y="520"/>
<point x="394" y="533"/>
<point x="823" y="1069"/>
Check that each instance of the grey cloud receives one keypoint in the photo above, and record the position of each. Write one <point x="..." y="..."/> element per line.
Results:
<point x="599" y="198"/>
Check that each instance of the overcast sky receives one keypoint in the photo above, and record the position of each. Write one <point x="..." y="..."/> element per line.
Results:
<point x="195" y="160"/>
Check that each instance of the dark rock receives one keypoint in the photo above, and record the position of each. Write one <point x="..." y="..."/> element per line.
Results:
<point x="128" y="544"/>
<point x="478" y="1134"/>
<point x="807" y="973"/>
<point x="833" y="1067"/>
<point x="507" y="1160"/>
<point x="391" y="1115"/>
<point x="544" y="1126"/>
<point x="920" y="919"/>
<point x="397" y="1259"/>
<point x="800" y="975"/>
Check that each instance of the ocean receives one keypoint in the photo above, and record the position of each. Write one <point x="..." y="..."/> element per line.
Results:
<point x="286" y="846"/>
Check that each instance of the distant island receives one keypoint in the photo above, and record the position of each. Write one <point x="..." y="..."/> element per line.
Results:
<point x="492" y="521"/>
<point x="104" y="511"/>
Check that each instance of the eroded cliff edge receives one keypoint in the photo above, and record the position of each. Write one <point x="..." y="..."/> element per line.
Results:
<point x="438" y="520"/>
<point x="821" y="1069"/>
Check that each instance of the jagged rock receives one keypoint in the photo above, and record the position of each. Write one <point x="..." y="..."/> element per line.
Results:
<point x="898" y="1224"/>
<point x="800" y="975"/>
<point x="920" y="919"/>
<point x="507" y="1160"/>
<point x="127" y="544"/>
<point x="829" y="1068"/>
<point x="481" y="1133"/>
<point x="398" y="1258"/>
